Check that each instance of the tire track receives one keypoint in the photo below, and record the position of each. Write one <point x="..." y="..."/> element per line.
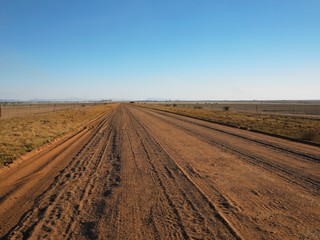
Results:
<point x="161" y="188"/>
<point x="292" y="152"/>
<point x="52" y="210"/>
<point x="175" y="170"/>
<point x="309" y="183"/>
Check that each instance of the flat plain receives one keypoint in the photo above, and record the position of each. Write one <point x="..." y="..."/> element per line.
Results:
<point x="141" y="173"/>
<point x="297" y="121"/>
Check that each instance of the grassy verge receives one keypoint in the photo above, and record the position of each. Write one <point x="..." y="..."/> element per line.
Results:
<point x="22" y="134"/>
<point x="299" y="128"/>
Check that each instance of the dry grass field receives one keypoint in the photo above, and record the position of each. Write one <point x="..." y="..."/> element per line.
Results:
<point x="9" y="110"/>
<point x="23" y="134"/>
<point x="301" y="108"/>
<point x="305" y="128"/>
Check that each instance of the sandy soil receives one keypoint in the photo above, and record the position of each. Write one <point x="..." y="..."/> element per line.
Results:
<point x="139" y="173"/>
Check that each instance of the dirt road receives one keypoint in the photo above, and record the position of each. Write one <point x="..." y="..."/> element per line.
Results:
<point x="137" y="173"/>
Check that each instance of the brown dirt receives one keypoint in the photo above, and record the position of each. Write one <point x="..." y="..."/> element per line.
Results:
<point x="302" y="128"/>
<point x="145" y="174"/>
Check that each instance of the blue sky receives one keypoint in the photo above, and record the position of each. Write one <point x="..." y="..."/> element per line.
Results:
<point x="206" y="49"/>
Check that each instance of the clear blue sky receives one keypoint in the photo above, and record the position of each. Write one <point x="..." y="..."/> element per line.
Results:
<point x="175" y="49"/>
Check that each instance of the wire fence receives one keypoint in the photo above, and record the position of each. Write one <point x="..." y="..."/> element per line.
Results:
<point x="297" y="109"/>
<point x="10" y="110"/>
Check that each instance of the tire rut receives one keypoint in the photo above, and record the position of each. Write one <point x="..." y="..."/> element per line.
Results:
<point x="58" y="207"/>
<point x="295" y="153"/>
<point x="185" y="184"/>
<point x="294" y="176"/>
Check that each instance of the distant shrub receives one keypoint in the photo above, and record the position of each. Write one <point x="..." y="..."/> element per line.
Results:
<point x="6" y="159"/>
<point x="308" y="135"/>
<point x="174" y="105"/>
<point x="132" y="102"/>
<point x="226" y="108"/>
<point x="28" y="147"/>
<point x="197" y="107"/>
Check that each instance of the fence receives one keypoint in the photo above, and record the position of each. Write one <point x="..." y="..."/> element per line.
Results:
<point x="22" y="109"/>
<point x="279" y="108"/>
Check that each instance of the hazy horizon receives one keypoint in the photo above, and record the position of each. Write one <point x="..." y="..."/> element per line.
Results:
<point x="186" y="50"/>
<point x="10" y="100"/>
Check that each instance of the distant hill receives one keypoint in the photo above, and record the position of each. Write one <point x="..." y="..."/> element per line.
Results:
<point x="57" y="100"/>
<point x="10" y="100"/>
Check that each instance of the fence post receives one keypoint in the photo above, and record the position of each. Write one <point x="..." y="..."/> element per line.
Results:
<point x="0" y="111"/>
<point x="54" y="108"/>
